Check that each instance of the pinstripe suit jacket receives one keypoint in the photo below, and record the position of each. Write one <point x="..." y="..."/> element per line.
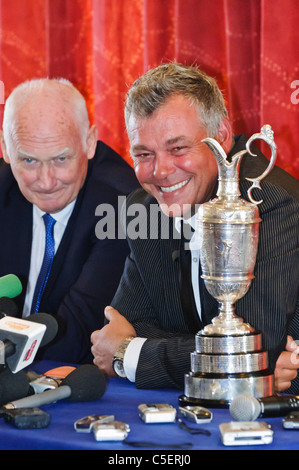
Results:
<point x="148" y="294"/>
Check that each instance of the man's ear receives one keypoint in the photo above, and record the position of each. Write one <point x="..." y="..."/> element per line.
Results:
<point x="225" y="135"/>
<point x="3" y="148"/>
<point x="91" y="141"/>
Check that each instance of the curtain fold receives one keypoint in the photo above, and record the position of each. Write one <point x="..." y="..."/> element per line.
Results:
<point x="102" y="46"/>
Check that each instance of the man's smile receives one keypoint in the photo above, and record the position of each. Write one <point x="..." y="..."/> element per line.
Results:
<point x="169" y="189"/>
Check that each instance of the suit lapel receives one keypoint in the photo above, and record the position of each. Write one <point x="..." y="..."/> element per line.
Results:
<point x="18" y="230"/>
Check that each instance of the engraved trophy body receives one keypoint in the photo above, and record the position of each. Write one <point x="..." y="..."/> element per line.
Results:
<point x="228" y="357"/>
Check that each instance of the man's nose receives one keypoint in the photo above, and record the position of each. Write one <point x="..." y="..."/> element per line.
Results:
<point x="46" y="177"/>
<point x="164" y="166"/>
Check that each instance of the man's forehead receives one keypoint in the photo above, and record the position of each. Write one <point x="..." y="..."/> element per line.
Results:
<point x="43" y="126"/>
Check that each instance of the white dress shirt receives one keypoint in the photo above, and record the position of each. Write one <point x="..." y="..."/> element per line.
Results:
<point x="38" y="246"/>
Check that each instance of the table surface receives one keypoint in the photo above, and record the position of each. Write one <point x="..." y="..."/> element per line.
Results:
<point x="122" y="399"/>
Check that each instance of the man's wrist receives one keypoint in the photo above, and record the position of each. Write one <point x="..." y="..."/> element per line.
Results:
<point x="118" y="359"/>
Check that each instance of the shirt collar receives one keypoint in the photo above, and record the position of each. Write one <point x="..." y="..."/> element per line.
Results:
<point x="191" y="221"/>
<point x="61" y="216"/>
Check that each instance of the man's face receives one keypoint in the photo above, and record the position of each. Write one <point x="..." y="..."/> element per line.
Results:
<point x="171" y="162"/>
<point x="47" y="156"/>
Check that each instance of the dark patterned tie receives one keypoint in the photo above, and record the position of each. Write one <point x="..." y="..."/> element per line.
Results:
<point x="47" y="263"/>
<point x="186" y="289"/>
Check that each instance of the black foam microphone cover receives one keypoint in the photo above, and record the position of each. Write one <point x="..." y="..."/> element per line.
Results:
<point x="8" y="307"/>
<point x="50" y="323"/>
<point x="87" y="383"/>
<point x="13" y="386"/>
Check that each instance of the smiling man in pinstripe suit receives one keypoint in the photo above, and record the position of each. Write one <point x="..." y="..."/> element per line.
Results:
<point x="150" y="333"/>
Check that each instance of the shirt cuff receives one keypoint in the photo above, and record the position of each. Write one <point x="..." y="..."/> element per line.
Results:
<point x="131" y="358"/>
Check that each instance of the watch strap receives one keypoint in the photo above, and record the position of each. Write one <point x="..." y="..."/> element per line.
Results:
<point x="120" y="353"/>
<point x="122" y="348"/>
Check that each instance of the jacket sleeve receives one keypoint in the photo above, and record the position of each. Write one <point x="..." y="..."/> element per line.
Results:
<point x="165" y="355"/>
<point x="143" y="299"/>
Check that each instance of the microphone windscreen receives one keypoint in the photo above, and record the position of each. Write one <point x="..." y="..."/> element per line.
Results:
<point x="10" y="286"/>
<point x="8" y="307"/>
<point x="50" y="323"/>
<point x="245" y="408"/>
<point x="13" y="386"/>
<point x="87" y="383"/>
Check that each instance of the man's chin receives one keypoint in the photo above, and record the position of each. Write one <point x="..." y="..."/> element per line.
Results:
<point x="50" y="208"/>
<point x="177" y="210"/>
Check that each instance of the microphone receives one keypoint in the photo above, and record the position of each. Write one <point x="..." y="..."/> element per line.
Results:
<point x="20" y="339"/>
<point x="247" y="408"/>
<point x="51" y="326"/>
<point x="50" y="379"/>
<point x="13" y="386"/>
<point x="86" y="383"/>
<point x="8" y="307"/>
<point x="10" y="286"/>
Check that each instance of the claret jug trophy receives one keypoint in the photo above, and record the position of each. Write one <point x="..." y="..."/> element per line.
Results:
<point x="228" y="357"/>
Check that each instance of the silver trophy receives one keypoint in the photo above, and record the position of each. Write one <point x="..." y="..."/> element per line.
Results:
<point x="229" y="359"/>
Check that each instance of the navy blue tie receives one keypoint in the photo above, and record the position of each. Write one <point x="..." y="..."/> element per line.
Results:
<point x="47" y="262"/>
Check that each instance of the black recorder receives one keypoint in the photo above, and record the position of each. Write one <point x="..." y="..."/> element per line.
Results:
<point x="27" y="418"/>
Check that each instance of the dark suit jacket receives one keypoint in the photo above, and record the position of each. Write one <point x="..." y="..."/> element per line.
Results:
<point x="85" y="271"/>
<point x="149" y="297"/>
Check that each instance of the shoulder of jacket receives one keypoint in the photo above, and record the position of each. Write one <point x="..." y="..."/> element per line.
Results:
<point x="140" y="196"/>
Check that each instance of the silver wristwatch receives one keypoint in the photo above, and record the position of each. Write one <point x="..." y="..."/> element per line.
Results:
<point x="118" y="360"/>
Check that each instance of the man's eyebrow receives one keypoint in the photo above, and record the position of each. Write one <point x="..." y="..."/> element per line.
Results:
<point x="22" y="153"/>
<point x="170" y="141"/>
<point x="62" y="153"/>
<point x="175" y="140"/>
<point x="139" y="147"/>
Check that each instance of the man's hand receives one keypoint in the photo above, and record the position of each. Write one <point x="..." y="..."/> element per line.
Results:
<point x="287" y="366"/>
<point x="106" y="341"/>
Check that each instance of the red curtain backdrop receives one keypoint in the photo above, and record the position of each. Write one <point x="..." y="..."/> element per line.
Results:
<point x="249" y="46"/>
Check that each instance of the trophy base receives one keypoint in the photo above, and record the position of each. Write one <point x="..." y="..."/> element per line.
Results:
<point x="224" y="366"/>
<point x="218" y="390"/>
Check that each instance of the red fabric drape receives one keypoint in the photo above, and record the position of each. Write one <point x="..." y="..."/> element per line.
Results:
<point x="250" y="47"/>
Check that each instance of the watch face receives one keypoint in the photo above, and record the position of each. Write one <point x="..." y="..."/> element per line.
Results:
<point x="118" y="367"/>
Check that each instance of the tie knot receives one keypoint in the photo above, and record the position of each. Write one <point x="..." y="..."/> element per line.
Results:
<point x="48" y="221"/>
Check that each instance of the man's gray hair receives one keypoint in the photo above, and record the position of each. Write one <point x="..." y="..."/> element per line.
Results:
<point x="156" y="86"/>
<point x="33" y="87"/>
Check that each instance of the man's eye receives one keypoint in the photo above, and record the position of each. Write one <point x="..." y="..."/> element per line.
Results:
<point x="141" y="155"/>
<point x="60" y="160"/>
<point x="28" y="160"/>
<point x="180" y="148"/>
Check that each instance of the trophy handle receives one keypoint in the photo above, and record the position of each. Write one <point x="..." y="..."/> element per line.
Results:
<point x="266" y="134"/>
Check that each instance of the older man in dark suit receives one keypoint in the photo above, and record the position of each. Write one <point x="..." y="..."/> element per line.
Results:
<point x="57" y="175"/>
<point x="150" y="336"/>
